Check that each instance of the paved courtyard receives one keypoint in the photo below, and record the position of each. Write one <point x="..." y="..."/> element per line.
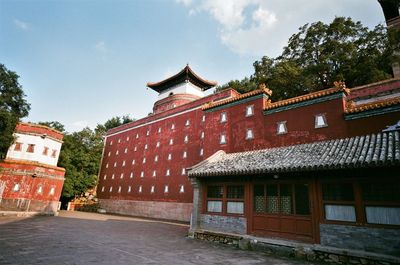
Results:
<point x="89" y="238"/>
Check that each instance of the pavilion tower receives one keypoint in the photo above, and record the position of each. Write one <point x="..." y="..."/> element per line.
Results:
<point x="179" y="89"/>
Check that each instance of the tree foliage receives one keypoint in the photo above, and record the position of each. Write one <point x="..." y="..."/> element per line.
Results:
<point x="80" y="156"/>
<point x="53" y="124"/>
<point x="113" y="122"/>
<point x="13" y="107"/>
<point x="320" y="54"/>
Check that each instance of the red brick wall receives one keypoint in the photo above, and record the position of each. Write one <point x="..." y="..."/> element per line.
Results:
<point x="18" y="172"/>
<point x="300" y="122"/>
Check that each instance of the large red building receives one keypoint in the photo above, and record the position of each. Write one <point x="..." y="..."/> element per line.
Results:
<point x="144" y="165"/>
<point x="30" y="180"/>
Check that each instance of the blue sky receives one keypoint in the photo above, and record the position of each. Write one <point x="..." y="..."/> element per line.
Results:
<point x="83" y="62"/>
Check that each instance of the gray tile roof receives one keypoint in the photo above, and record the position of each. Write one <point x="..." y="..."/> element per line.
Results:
<point x="375" y="150"/>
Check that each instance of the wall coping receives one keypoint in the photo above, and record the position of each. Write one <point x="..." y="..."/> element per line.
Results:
<point x="299" y="246"/>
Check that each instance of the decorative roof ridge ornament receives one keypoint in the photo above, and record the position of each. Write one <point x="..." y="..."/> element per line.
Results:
<point x="186" y="74"/>
<point x="372" y="105"/>
<point x="212" y="104"/>
<point x="339" y="87"/>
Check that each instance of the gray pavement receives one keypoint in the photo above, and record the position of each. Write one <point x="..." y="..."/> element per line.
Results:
<point x="90" y="238"/>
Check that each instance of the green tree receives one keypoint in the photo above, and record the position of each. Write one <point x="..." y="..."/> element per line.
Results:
<point x="13" y="107"/>
<point x="112" y="123"/>
<point x="53" y="124"/>
<point x="320" y="54"/>
<point x="80" y="156"/>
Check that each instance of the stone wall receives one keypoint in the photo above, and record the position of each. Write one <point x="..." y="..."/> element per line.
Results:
<point x="152" y="209"/>
<point x="226" y="224"/>
<point x="378" y="240"/>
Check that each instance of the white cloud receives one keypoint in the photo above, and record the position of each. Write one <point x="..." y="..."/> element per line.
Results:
<point x="21" y="24"/>
<point x="101" y="47"/>
<point x="232" y="16"/>
<point x="263" y="27"/>
<point x="184" y="2"/>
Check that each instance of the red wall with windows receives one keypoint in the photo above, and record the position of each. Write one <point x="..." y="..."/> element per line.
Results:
<point x="29" y="177"/>
<point x="300" y="122"/>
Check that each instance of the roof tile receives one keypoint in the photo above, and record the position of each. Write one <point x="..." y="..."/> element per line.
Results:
<point x="382" y="149"/>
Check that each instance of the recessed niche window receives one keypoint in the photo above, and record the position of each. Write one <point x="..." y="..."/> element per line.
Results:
<point x="249" y="134"/>
<point x="116" y="152"/>
<point x="148" y="133"/>
<point x="137" y="136"/>
<point x="169" y="156"/>
<point x="145" y="146"/>
<point x="123" y="163"/>
<point x="154" y="173"/>
<point x="152" y="189"/>
<point x="31" y="148"/>
<point x="102" y="189"/>
<point x="182" y="189"/>
<point x="320" y="121"/>
<point x="222" y="139"/>
<point x="119" y="189"/>
<point x="172" y="126"/>
<point x="119" y="140"/>
<point x="187" y="123"/>
<point x="281" y="127"/>
<point x="126" y="150"/>
<point x="171" y="141"/>
<point x="129" y="188"/>
<point x="131" y="175"/>
<point x="203" y="119"/>
<point x="133" y="161"/>
<point x="105" y="177"/>
<point x="40" y="189"/>
<point x="156" y="158"/>
<point x="223" y="117"/>
<point x="183" y="171"/>
<point x="127" y="138"/>
<point x="109" y="153"/>
<point x="159" y="130"/>
<point x="16" y="187"/>
<point x="122" y="175"/>
<point x="140" y="189"/>
<point x="338" y="200"/>
<point x="144" y="160"/>
<point x="166" y="189"/>
<point x="111" y="142"/>
<point x="115" y="164"/>
<point x="184" y="154"/>
<point x="201" y="152"/>
<point x="135" y="149"/>
<point x="142" y="174"/>
<point x="45" y="151"/>
<point x="112" y="176"/>
<point x="107" y="165"/>
<point x="52" y="190"/>
<point x="18" y="146"/>
<point x="167" y="173"/>
<point x="110" y="190"/>
<point x="249" y="110"/>
<point x="158" y="144"/>
<point x="53" y="153"/>
<point x="202" y="135"/>
<point x="186" y="139"/>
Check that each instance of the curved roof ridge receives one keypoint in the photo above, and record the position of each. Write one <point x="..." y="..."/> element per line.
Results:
<point x="204" y="83"/>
